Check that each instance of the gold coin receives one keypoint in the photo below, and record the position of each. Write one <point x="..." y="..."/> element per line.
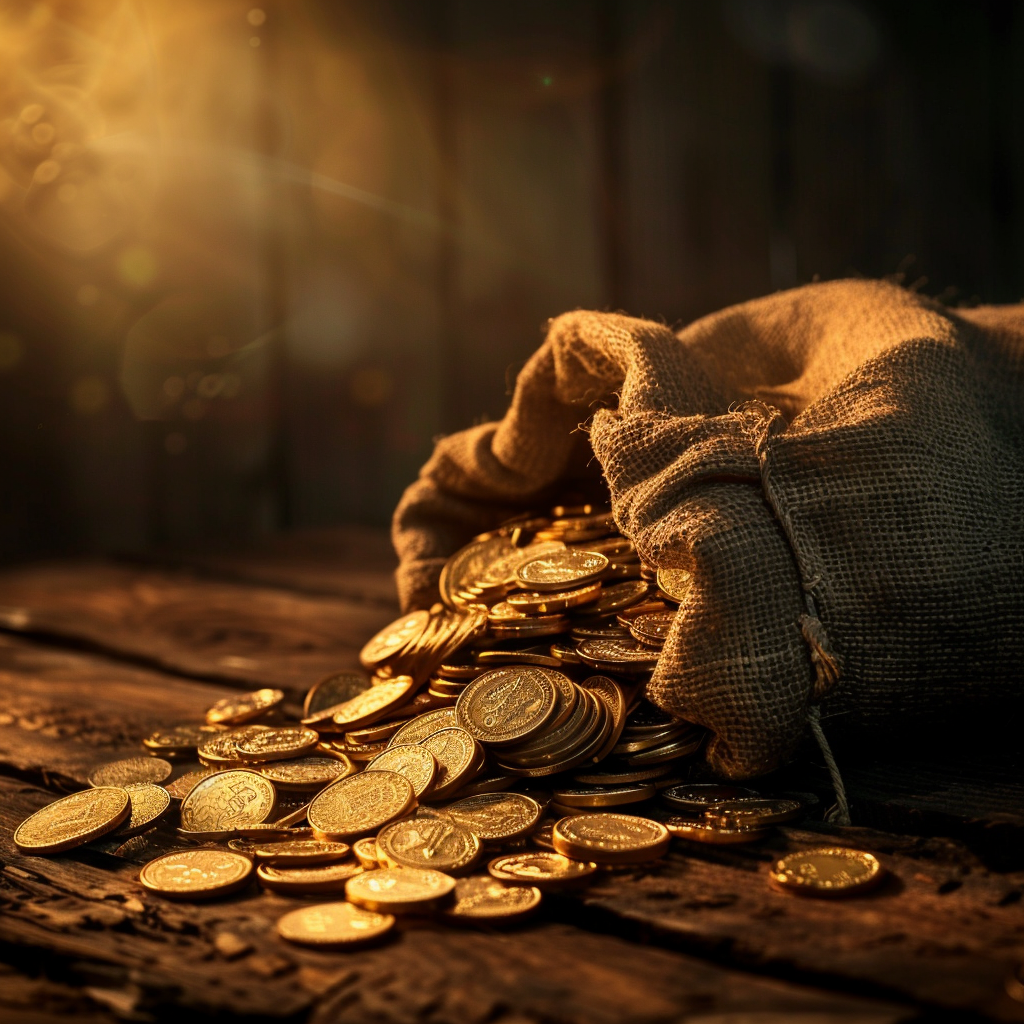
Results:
<point x="221" y="751"/>
<point x="360" y="803"/>
<point x="131" y="769"/>
<point x="604" y="796"/>
<point x="197" y="874"/>
<point x="277" y="744"/>
<point x="487" y="899"/>
<point x="830" y="871"/>
<point x="227" y="801"/>
<point x="301" y="852"/>
<point x="753" y="813"/>
<point x="496" y="816"/>
<point x="457" y="755"/>
<point x="562" y="569"/>
<point x="367" y="707"/>
<point x="603" y="776"/>
<point x="610" y="838"/>
<point x="547" y="871"/>
<point x="149" y="804"/>
<point x="299" y="881"/>
<point x="336" y="688"/>
<point x="437" y="843"/>
<point x="536" y="602"/>
<point x="617" y="597"/>
<point x="307" y="773"/>
<point x="416" y="763"/>
<point x="244" y="707"/>
<point x="652" y="627"/>
<point x="617" y="655"/>
<point x="508" y="705"/>
<point x="393" y="638"/>
<point x="366" y="853"/>
<point x="400" y="890"/>
<point x="688" y="744"/>
<point x="379" y="730"/>
<point x="485" y="564"/>
<point x="707" y="832"/>
<point x="333" y="924"/>
<point x="676" y="583"/>
<point x="179" y="739"/>
<point x="183" y="785"/>
<point x="422" y="726"/>
<point x="699" y="796"/>
<point x="73" y="820"/>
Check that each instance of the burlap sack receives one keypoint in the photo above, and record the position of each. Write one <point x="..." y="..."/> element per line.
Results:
<point x="841" y="467"/>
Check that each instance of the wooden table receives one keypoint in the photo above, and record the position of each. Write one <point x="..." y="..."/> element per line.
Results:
<point x="93" y="656"/>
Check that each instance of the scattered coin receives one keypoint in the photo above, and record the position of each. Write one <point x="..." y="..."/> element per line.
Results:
<point x="604" y="796"/>
<point x="413" y="761"/>
<point x="197" y="874"/>
<point x="301" y="881"/>
<point x="830" y="871"/>
<point x="243" y="708"/>
<point x="700" y="796"/>
<point x="676" y="583"/>
<point x="334" y="689"/>
<point x="400" y="890"/>
<point x="610" y="838"/>
<point x="699" y="831"/>
<point x="360" y="804"/>
<point x="182" y="786"/>
<point x="562" y="569"/>
<point x="439" y="843"/>
<point x="753" y="813"/>
<point x="495" y="817"/>
<point x="490" y="900"/>
<point x="228" y="800"/>
<point x="366" y="707"/>
<point x="305" y="774"/>
<point x="549" y="872"/>
<point x="277" y="744"/>
<point x="73" y="820"/>
<point x="393" y="638"/>
<point x="459" y="758"/>
<point x="366" y="853"/>
<point x="149" y="804"/>
<point x="131" y="769"/>
<point x="179" y="740"/>
<point x="507" y="705"/>
<point x="300" y="852"/>
<point x="333" y="924"/>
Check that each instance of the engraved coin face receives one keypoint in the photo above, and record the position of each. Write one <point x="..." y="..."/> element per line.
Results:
<point x="699" y="796"/>
<point x="131" y="769"/>
<point x="73" y="820"/>
<point x="423" y="725"/>
<point x="301" y="852"/>
<point x="676" y="583"/>
<point x="313" y="879"/>
<point x="753" y="813"/>
<point x="618" y="596"/>
<point x="610" y="838"/>
<point x="495" y="816"/>
<point x="400" y="890"/>
<point x="507" y="705"/>
<point x="359" y="803"/>
<point x="830" y="871"/>
<point x="619" y="652"/>
<point x="561" y="570"/>
<point x="306" y="773"/>
<point x="244" y="707"/>
<point x="369" y="705"/>
<point x="149" y="804"/>
<point x="333" y="924"/>
<point x="197" y="874"/>
<point x="277" y="744"/>
<point x="366" y="853"/>
<point x="228" y="800"/>
<point x="182" y="786"/>
<point x="708" y="832"/>
<point x="652" y="627"/>
<point x="437" y="843"/>
<point x="335" y="689"/>
<point x="488" y="899"/>
<point x="455" y="752"/>
<point x="545" y="603"/>
<point x="393" y="638"/>
<point x="413" y="761"/>
<point x="178" y="739"/>
<point x="547" y="871"/>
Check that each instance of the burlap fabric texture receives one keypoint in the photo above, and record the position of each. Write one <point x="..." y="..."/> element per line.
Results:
<point x="841" y="467"/>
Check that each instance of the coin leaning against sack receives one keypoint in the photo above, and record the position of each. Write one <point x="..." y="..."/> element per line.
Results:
<point x="421" y="785"/>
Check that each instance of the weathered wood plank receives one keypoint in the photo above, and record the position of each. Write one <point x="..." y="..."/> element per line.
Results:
<point x="247" y="635"/>
<point x="354" y="562"/>
<point x="942" y="929"/>
<point x="62" y="713"/>
<point x="87" y="906"/>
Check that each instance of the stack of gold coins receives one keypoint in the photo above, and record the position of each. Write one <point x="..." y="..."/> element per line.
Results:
<point x="498" y="746"/>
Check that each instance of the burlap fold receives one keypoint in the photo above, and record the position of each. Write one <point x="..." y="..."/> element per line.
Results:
<point x="841" y="467"/>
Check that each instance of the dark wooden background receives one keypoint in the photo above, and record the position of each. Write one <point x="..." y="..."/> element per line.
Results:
<point x="269" y="261"/>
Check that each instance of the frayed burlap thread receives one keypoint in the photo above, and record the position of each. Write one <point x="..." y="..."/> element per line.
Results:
<point x="841" y="466"/>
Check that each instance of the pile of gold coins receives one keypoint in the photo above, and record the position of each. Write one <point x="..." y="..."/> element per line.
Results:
<point x="498" y="748"/>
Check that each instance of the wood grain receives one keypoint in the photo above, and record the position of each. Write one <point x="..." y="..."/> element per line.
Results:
<point x="225" y="958"/>
<point x="245" y="635"/>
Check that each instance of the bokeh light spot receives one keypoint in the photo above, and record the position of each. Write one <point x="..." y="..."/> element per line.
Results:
<point x="11" y="351"/>
<point x="174" y="388"/>
<point x="254" y="40"/>
<point x="32" y="113"/>
<point x="43" y="133"/>
<point x="371" y="386"/>
<point x="46" y="172"/>
<point x="137" y="266"/>
<point x="87" y="294"/>
<point x="210" y="386"/>
<point x="256" y="17"/>
<point x="89" y="395"/>
<point x="175" y="443"/>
